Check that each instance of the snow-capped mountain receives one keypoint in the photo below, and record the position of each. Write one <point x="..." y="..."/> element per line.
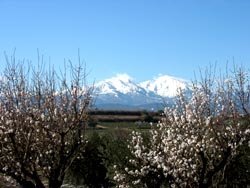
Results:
<point x="121" y="83"/>
<point x="121" y="91"/>
<point x="165" y="86"/>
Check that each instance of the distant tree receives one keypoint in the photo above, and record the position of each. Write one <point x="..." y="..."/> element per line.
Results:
<point x="89" y="168"/>
<point x="42" y="122"/>
<point x="237" y="173"/>
<point x="92" y="122"/>
<point x="94" y="168"/>
<point x="196" y="139"/>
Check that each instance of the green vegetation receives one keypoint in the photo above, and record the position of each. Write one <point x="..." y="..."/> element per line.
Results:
<point x="108" y="147"/>
<point x="126" y="121"/>
<point x="95" y="166"/>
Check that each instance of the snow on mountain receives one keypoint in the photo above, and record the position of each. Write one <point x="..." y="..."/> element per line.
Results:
<point x="122" y="90"/>
<point x="165" y="86"/>
<point x="121" y="83"/>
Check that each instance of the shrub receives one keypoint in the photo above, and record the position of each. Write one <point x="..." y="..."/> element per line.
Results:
<point x="95" y="166"/>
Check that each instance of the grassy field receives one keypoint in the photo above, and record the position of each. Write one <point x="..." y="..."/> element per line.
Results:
<point x="109" y="121"/>
<point x="125" y="116"/>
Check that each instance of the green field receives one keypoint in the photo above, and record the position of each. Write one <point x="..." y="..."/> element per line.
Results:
<point x="102" y="121"/>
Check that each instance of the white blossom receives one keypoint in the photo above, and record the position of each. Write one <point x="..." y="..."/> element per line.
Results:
<point x="195" y="127"/>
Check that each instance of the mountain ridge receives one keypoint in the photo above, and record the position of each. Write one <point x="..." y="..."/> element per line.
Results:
<point x="122" y="91"/>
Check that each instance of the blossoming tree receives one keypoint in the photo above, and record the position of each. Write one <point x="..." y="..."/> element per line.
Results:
<point x="196" y="138"/>
<point x="42" y="123"/>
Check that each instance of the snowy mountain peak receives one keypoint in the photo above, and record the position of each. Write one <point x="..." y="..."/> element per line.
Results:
<point x="121" y="83"/>
<point x="122" y="77"/>
<point x="119" y="78"/>
<point x="168" y="77"/>
<point x="165" y="85"/>
<point x="121" y="90"/>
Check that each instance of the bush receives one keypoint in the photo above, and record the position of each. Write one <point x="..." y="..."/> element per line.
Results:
<point x="89" y="168"/>
<point x="95" y="166"/>
<point x="237" y="174"/>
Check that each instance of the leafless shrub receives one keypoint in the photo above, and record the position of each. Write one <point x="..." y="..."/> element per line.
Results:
<point x="42" y="122"/>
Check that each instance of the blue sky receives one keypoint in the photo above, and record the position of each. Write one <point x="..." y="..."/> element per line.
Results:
<point x="142" y="38"/>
